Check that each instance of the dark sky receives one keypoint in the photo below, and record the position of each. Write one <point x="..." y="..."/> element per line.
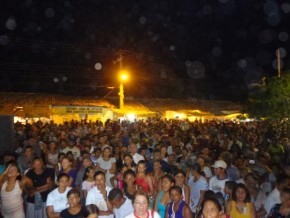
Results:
<point x="210" y="49"/>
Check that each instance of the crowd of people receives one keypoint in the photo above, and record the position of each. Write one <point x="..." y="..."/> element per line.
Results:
<point x="149" y="168"/>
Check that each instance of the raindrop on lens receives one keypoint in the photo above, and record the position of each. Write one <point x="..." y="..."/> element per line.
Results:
<point x="56" y="80"/>
<point x="98" y="66"/>
<point x="11" y="24"/>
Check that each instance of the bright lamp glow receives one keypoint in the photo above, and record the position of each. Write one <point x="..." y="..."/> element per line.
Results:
<point x="131" y="117"/>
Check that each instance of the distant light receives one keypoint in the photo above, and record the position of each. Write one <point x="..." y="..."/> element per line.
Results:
<point x="11" y="24"/>
<point x="131" y="117"/>
<point x="124" y="76"/>
<point x="56" y="80"/>
<point x="98" y="66"/>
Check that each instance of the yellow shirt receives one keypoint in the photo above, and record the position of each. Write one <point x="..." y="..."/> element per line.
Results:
<point x="236" y="214"/>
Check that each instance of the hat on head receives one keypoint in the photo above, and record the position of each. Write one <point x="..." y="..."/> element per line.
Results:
<point x="220" y="164"/>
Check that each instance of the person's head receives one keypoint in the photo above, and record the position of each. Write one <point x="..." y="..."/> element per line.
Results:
<point x="180" y="177"/>
<point x="66" y="163"/>
<point x="141" y="166"/>
<point x="129" y="177"/>
<point x="28" y="151"/>
<point x="87" y="162"/>
<point x="128" y="160"/>
<point x="196" y="170"/>
<point x="219" y="168"/>
<point x="73" y="197"/>
<point x="100" y="180"/>
<point x="133" y="147"/>
<point x="171" y="158"/>
<point x="91" y="211"/>
<point x="229" y="187"/>
<point x="37" y="164"/>
<point x="156" y="154"/>
<point x="98" y="152"/>
<point x="13" y="170"/>
<point x="163" y="151"/>
<point x="52" y="146"/>
<point x="241" y="193"/>
<point x="175" y="193"/>
<point x="285" y="197"/>
<point x="62" y="180"/>
<point x="140" y="203"/>
<point x="167" y="181"/>
<point x="201" y="161"/>
<point x="89" y="173"/>
<point x="157" y="165"/>
<point x="250" y="180"/>
<point x="123" y="169"/>
<point x="116" y="198"/>
<point x="211" y="208"/>
<point x="107" y="152"/>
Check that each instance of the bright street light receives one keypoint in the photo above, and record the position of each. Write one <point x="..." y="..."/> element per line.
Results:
<point x="123" y="77"/>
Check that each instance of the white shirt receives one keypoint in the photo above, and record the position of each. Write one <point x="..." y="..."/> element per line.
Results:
<point x="217" y="185"/>
<point x="95" y="197"/>
<point x="124" y="210"/>
<point x="58" y="200"/>
<point x="137" y="157"/>
<point x="272" y="199"/>
<point x="156" y="215"/>
<point x="75" y="150"/>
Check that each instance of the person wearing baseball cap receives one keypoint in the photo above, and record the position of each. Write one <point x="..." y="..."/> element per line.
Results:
<point x="217" y="182"/>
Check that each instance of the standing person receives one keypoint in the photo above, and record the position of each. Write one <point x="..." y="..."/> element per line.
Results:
<point x="143" y="179"/>
<point x="122" y="206"/>
<point x="98" y="195"/>
<point x="282" y="210"/>
<point x="51" y="155"/>
<point x="163" y="198"/>
<point x="133" y="150"/>
<point x="198" y="185"/>
<point x="180" y="177"/>
<point x="42" y="183"/>
<point x="205" y="169"/>
<point x="72" y="147"/>
<point x="129" y="162"/>
<point x="217" y="182"/>
<point x="11" y="191"/>
<point x="140" y="204"/>
<point x="107" y="164"/>
<point x="229" y="188"/>
<point x="25" y="160"/>
<point x="177" y="207"/>
<point x="130" y="187"/>
<point x="75" y="208"/>
<point x="57" y="199"/>
<point x="156" y="176"/>
<point x="88" y="180"/>
<point x="66" y="167"/>
<point x="274" y="196"/>
<point x="211" y="208"/>
<point x="241" y="206"/>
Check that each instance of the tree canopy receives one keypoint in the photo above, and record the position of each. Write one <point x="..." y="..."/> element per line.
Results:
<point x="272" y="100"/>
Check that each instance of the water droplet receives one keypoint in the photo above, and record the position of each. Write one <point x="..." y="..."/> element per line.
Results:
<point x="282" y="51"/>
<point x="271" y="8"/>
<point x="88" y="55"/>
<point x="196" y="70"/>
<point x="171" y="47"/>
<point x="283" y="36"/>
<point x="64" y="78"/>
<point x="98" y="66"/>
<point x="11" y="24"/>
<point x="242" y="63"/>
<point x="217" y="51"/>
<point x="266" y="36"/>
<point x="285" y="8"/>
<point x="274" y="20"/>
<point x="56" y="80"/>
<point x="275" y="64"/>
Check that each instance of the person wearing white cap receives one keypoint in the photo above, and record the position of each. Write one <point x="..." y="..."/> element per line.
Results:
<point x="217" y="182"/>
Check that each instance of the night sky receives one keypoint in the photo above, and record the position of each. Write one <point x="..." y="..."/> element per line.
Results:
<point x="207" y="49"/>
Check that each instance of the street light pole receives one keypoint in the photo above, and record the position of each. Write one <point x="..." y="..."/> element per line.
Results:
<point x="121" y="93"/>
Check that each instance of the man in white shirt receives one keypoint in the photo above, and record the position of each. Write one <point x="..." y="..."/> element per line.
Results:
<point x="122" y="205"/>
<point x="217" y="182"/>
<point x="98" y="196"/>
<point x="274" y="196"/>
<point x="72" y="147"/>
<point x="133" y="150"/>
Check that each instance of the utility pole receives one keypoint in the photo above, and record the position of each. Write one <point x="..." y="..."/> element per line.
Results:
<point x="278" y="62"/>
<point x="121" y="93"/>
